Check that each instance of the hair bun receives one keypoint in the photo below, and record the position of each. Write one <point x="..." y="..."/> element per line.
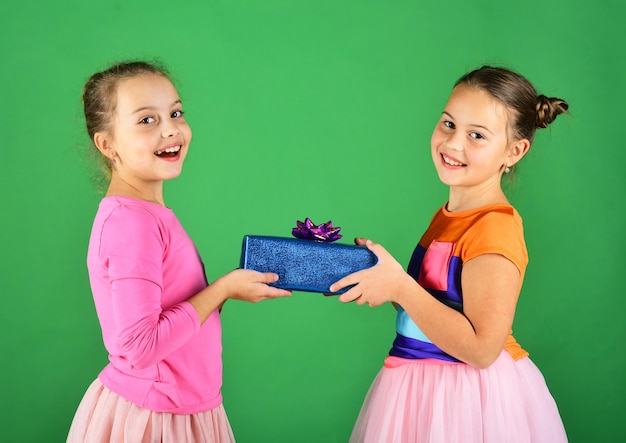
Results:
<point x="548" y="108"/>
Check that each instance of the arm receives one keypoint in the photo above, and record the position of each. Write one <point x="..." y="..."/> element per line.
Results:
<point x="240" y="284"/>
<point x="147" y="334"/>
<point x="490" y="290"/>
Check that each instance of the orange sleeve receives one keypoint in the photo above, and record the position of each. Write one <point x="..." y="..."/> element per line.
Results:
<point x="514" y="349"/>
<point x="497" y="233"/>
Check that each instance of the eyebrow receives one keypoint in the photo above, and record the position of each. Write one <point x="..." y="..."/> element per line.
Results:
<point x="471" y="124"/>
<point x="149" y="108"/>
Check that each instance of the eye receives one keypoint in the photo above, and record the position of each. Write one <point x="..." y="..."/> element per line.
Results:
<point x="147" y="120"/>
<point x="476" y="135"/>
<point x="177" y="114"/>
<point x="448" y="124"/>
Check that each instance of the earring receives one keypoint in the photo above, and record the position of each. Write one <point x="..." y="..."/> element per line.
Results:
<point x="507" y="170"/>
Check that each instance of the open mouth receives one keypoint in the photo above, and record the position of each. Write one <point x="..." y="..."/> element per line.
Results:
<point x="169" y="152"/>
<point x="448" y="161"/>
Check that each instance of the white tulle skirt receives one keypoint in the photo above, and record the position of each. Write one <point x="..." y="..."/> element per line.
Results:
<point x="431" y="401"/>
<point x="105" y="417"/>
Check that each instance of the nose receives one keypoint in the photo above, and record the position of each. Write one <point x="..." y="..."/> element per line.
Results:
<point x="455" y="141"/>
<point x="170" y="129"/>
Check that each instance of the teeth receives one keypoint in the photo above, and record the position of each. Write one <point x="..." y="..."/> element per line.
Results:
<point x="451" y="162"/>
<point x="171" y="150"/>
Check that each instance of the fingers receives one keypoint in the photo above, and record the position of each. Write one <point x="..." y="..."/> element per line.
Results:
<point x="278" y="291"/>
<point x="262" y="292"/>
<point x="376" y="248"/>
<point x="360" y="241"/>
<point x="254" y="286"/>
<point x="350" y="296"/>
<point x="270" y="291"/>
<point x="261" y="277"/>
<point x="268" y="277"/>
<point x="348" y="280"/>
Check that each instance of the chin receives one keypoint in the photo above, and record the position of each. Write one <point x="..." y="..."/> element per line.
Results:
<point x="449" y="181"/>
<point x="172" y="174"/>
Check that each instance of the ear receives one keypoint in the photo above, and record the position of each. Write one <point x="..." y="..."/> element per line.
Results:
<point x="102" y="140"/>
<point x="518" y="151"/>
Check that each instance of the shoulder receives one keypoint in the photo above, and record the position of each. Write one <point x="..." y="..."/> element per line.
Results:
<point x="123" y="222"/>
<point x="499" y="219"/>
<point x="501" y="224"/>
<point x="129" y="214"/>
<point x="497" y="225"/>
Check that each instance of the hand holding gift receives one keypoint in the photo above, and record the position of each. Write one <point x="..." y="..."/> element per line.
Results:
<point x="376" y="285"/>
<point x="311" y="262"/>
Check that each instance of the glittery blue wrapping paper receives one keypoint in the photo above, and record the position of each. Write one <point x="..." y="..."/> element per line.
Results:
<point x="304" y="265"/>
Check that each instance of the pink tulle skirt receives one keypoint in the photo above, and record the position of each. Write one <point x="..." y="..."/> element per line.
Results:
<point x="433" y="401"/>
<point x="104" y="416"/>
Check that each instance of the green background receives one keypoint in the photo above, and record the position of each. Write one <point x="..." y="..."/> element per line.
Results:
<point x="320" y="109"/>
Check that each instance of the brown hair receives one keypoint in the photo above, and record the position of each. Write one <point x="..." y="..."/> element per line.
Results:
<point x="530" y="111"/>
<point x="100" y="99"/>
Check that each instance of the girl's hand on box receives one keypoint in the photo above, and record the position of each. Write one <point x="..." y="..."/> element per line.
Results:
<point x="376" y="285"/>
<point x="251" y="286"/>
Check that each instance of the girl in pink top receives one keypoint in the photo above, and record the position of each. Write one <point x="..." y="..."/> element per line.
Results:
<point x="160" y="318"/>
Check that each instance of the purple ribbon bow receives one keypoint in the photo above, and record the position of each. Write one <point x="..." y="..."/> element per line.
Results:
<point x="310" y="231"/>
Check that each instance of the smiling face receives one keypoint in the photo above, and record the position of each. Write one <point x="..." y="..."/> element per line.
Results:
<point x="149" y="138"/>
<point x="471" y="143"/>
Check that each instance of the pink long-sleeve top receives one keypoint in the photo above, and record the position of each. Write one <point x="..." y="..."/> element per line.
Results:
<point x="143" y="267"/>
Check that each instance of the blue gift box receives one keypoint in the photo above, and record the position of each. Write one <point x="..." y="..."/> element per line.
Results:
<point x="304" y="265"/>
